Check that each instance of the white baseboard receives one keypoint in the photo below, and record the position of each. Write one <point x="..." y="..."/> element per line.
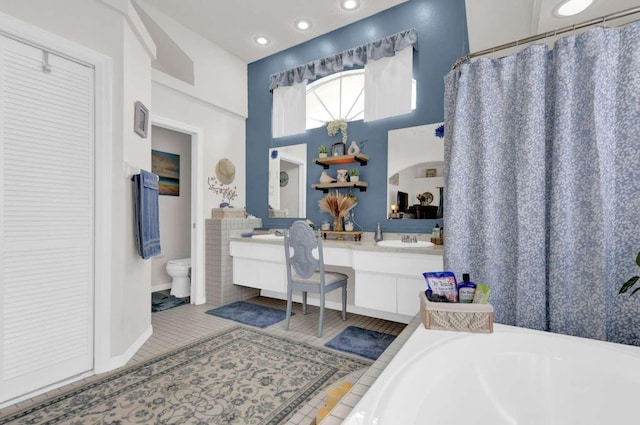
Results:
<point x="160" y="287"/>
<point x="114" y="363"/>
<point x="334" y="305"/>
<point x="122" y="359"/>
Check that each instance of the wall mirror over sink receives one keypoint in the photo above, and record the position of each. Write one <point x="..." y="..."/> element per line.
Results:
<point x="288" y="181"/>
<point x="415" y="172"/>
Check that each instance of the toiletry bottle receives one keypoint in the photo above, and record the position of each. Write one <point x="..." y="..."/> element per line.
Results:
<point x="436" y="232"/>
<point x="378" y="235"/>
<point x="466" y="290"/>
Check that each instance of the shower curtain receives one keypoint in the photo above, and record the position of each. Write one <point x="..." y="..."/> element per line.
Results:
<point x="542" y="168"/>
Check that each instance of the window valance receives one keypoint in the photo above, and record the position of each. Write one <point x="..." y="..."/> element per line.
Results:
<point x="357" y="56"/>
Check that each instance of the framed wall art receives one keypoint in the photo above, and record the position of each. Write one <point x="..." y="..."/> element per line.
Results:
<point x="338" y="149"/>
<point x="141" y="120"/>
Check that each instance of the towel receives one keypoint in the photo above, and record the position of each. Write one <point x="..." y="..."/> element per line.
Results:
<point x="145" y="192"/>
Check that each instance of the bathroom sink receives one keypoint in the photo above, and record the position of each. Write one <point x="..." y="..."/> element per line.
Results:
<point x="396" y="243"/>
<point x="269" y="237"/>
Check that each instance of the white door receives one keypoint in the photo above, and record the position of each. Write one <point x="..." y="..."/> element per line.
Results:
<point x="46" y="218"/>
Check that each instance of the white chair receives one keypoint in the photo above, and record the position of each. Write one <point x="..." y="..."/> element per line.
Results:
<point x="305" y="271"/>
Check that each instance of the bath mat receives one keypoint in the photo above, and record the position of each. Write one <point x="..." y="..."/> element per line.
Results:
<point x="240" y="376"/>
<point x="363" y="342"/>
<point x="250" y="314"/>
<point x="160" y="301"/>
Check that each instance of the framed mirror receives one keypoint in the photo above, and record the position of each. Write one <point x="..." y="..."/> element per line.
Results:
<point x="415" y="167"/>
<point x="288" y="181"/>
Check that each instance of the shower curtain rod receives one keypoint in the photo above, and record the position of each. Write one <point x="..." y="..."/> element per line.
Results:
<point x="569" y="28"/>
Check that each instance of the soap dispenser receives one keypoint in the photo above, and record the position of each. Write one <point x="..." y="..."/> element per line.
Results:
<point x="378" y="235"/>
<point x="435" y="233"/>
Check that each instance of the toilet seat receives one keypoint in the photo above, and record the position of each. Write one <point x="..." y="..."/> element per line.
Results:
<point x="184" y="262"/>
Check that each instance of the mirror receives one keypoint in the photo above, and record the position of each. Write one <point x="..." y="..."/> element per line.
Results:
<point x="288" y="181"/>
<point x="415" y="164"/>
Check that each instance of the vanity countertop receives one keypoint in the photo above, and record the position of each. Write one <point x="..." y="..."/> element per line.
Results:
<point x="364" y="245"/>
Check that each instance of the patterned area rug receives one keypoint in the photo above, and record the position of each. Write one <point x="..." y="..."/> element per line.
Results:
<point x="363" y="342"/>
<point x="241" y="376"/>
<point x="250" y="314"/>
<point x="161" y="302"/>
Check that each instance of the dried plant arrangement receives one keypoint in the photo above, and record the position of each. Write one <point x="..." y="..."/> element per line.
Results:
<point x="338" y="205"/>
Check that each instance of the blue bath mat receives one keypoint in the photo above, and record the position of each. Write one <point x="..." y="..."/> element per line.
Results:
<point x="160" y="302"/>
<point x="363" y="342"/>
<point x="250" y="314"/>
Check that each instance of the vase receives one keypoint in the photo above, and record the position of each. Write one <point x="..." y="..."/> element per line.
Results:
<point x="322" y="155"/>
<point x="353" y="148"/>
<point x="354" y="178"/>
<point x="342" y="176"/>
<point x="337" y="224"/>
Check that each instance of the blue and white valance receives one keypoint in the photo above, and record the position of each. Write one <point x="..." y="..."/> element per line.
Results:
<point x="358" y="56"/>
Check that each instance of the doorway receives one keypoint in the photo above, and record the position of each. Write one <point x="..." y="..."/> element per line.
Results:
<point x="197" y="221"/>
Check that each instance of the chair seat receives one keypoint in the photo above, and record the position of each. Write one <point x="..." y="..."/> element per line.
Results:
<point x="329" y="278"/>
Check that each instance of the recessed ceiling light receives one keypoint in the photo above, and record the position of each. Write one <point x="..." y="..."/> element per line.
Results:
<point x="303" y="24"/>
<point x="261" y="40"/>
<point x="350" y="4"/>
<point x="572" y="7"/>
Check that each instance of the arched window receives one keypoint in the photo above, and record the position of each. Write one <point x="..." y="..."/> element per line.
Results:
<point x="339" y="95"/>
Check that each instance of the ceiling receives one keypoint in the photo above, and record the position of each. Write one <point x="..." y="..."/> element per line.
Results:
<point x="233" y="24"/>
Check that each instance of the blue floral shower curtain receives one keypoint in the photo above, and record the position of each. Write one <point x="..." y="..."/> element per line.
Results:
<point x="542" y="166"/>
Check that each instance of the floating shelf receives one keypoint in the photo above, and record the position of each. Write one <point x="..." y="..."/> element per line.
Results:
<point x="326" y="186"/>
<point x="342" y="159"/>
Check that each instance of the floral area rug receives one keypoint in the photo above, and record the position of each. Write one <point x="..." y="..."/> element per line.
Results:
<point x="241" y="376"/>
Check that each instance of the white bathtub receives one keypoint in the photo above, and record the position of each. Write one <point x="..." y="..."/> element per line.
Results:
<point x="513" y="376"/>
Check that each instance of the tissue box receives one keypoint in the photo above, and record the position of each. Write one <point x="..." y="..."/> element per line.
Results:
<point x="228" y="213"/>
<point x="456" y="316"/>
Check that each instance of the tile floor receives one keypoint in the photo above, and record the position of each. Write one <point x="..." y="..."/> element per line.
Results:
<point x="188" y="323"/>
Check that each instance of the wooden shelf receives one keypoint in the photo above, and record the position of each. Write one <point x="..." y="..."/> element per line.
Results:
<point x="342" y="159"/>
<point x="355" y="235"/>
<point x="324" y="187"/>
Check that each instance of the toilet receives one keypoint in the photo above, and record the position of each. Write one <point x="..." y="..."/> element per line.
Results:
<point x="179" y="271"/>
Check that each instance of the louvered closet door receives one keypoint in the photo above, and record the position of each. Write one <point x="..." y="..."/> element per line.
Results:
<point x="46" y="219"/>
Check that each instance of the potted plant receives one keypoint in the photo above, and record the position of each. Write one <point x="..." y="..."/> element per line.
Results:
<point x="354" y="175"/>
<point x="322" y="151"/>
<point x="632" y="281"/>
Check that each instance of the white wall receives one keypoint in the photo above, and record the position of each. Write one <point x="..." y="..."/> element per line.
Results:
<point x="175" y="211"/>
<point x="217" y="103"/>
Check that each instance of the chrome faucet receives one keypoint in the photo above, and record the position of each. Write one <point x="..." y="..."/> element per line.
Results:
<point x="409" y="239"/>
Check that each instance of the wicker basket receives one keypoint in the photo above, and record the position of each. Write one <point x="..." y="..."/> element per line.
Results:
<point x="228" y="213"/>
<point x="456" y="316"/>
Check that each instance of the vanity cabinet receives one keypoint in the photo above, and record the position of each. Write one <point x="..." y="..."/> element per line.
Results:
<point x="337" y="160"/>
<point x="390" y="281"/>
<point x="386" y="283"/>
<point x="259" y="266"/>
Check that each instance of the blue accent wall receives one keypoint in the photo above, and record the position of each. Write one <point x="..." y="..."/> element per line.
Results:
<point x="442" y="38"/>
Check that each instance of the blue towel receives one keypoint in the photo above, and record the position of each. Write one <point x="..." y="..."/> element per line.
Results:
<point x="145" y="192"/>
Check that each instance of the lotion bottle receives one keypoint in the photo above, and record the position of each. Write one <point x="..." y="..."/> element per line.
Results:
<point x="436" y="232"/>
<point x="466" y="290"/>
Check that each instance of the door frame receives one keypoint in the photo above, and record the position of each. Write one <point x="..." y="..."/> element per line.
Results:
<point x="197" y="222"/>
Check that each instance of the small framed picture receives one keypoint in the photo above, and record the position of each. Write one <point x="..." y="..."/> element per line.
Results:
<point x="431" y="172"/>
<point x="141" y="120"/>
<point x="338" y="149"/>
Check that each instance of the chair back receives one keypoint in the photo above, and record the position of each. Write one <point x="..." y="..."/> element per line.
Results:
<point x="303" y="241"/>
